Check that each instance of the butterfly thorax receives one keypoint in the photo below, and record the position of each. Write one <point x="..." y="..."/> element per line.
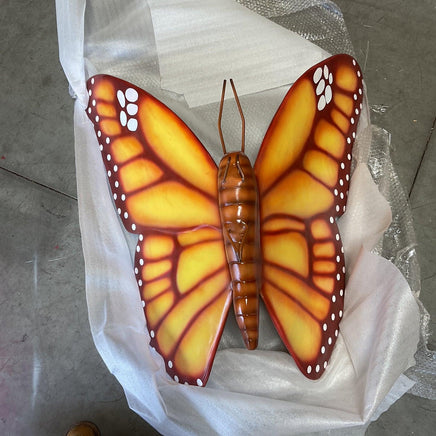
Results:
<point x="239" y="212"/>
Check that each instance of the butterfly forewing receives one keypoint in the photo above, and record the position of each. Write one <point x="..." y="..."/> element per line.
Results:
<point x="164" y="187"/>
<point x="303" y="171"/>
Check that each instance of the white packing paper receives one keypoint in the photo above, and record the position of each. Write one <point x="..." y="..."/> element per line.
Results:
<point x="201" y="42"/>
<point x="249" y="391"/>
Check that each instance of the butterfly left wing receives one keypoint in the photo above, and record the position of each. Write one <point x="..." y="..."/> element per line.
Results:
<point x="164" y="185"/>
<point x="303" y="171"/>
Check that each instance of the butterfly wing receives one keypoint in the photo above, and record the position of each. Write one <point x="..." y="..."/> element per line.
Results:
<point x="164" y="185"/>
<point x="303" y="171"/>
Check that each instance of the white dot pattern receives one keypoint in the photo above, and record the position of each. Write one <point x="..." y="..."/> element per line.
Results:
<point x="323" y="78"/>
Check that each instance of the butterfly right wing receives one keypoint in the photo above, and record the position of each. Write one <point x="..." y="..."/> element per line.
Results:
<point x="303" y="172"/>
<point x="164" y="184"/>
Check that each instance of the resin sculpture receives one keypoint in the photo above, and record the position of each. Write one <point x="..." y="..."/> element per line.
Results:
<point x="207" y="233"/>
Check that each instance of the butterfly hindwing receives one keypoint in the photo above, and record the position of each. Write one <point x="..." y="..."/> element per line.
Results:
<point x="303" y="171"/>
<point x="164" y="187"/>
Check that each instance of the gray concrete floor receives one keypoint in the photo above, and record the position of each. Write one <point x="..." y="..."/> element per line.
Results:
<point x="50" y="373"/>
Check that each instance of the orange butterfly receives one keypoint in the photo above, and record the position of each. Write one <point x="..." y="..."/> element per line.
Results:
<point x="191" y="257"/>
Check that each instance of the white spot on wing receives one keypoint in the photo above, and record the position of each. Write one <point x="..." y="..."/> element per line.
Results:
<point x="132" y="109"/>
<point x="132" y="124"/>
<point x="131" y="95"/>
<point x="121" y="98"/>
<point x="328" y="94"/>
<point x="123" y="118"/>
<point x="321" y="103"/>
<point x="317" y="75"/>
<point x="320" y="87"/>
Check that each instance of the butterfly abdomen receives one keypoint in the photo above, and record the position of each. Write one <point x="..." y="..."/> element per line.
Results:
<point x="239" y="212"/>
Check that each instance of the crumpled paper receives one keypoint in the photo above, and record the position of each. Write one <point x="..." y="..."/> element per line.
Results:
<point x="248" y="391"/>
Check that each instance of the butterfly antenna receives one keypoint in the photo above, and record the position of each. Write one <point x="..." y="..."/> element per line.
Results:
<point x="241" y="114"/>
<point x="220" y="117"/>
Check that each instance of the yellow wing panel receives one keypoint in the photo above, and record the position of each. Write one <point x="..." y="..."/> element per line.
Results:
<point x="287" y="135"/>
<point x="302" y="333"/>
<point x="172" y="205"/>
<point x="176" y="145"/>
<point x="297" y="195"/>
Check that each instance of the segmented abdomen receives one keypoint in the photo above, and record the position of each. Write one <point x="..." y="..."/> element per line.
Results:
<point x="239" y="211"/>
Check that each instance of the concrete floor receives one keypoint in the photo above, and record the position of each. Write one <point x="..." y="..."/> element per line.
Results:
<point x="50" y="373"/>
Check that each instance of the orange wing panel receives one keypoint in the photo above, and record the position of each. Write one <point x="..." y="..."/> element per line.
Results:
<point x="303" y="171"/>
<point x="164" y="186"/>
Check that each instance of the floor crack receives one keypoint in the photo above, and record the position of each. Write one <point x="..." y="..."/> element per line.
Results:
<point x="422" y="157"/>
<point x="72" y="197"/>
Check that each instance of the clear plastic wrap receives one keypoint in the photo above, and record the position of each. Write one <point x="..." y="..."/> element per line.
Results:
<point x="119" y="38"/>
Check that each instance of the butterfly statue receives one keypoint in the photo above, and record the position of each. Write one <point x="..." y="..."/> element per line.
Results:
<point x="208" y="235"/>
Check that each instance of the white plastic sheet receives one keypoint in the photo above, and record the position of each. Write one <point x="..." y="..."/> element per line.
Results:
<point x="248" y="391"/>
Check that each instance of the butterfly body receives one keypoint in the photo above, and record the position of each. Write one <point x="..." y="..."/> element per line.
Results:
<point x="238" y="201"/>
<point x="208" y="233"/>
